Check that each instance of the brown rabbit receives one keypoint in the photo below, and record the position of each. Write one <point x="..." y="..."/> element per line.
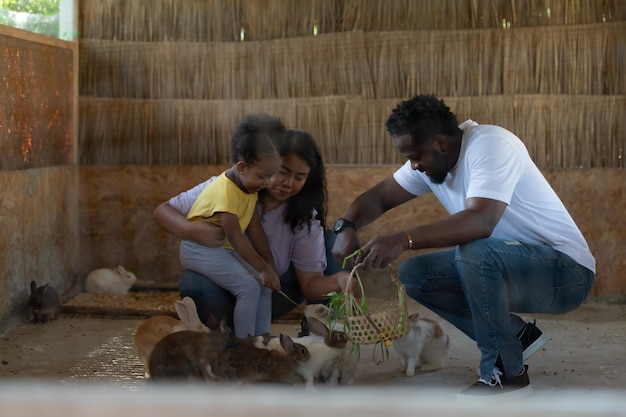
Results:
<point x="153" y="329"/>
<point x="188" y="355"/>
<point x="248" y="363"/>
<point x="44" y="303"/>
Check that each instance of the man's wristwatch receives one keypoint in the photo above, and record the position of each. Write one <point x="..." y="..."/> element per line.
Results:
<point x="341" y="224"/>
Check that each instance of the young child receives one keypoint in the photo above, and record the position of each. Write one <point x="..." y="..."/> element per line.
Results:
<point x="230" y="202"/>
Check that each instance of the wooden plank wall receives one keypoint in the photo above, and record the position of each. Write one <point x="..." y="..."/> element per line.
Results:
<point x="39" y="238"/>
<point x="39" y="235"/>
<point x="117" y="202"/>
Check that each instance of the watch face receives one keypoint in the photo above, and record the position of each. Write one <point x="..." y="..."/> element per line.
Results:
<point x="338" y="225"/>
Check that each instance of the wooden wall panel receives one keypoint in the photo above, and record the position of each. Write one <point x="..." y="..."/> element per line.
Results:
<point x="117" y="202"/>
<point x="39" y="239"/>
<point x="36" y="103"/>
<point x="116" y="225"/>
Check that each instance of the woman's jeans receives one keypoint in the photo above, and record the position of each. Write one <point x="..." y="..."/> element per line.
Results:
<point x="476" y="285"/>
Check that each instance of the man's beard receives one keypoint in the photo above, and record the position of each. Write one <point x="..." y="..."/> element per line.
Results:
<point x="439" y="172"/>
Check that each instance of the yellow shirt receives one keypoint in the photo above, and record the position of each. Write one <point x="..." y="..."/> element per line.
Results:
<point x="223" y="196"/>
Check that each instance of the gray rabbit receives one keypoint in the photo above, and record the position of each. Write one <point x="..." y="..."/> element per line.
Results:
<point x="44" y="303"/>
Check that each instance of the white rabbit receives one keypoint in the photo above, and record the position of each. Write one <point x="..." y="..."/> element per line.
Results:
<point x="323" y="346"/>
<point x="425" y="345"/>
<point x="110" y="281"/>
<point x="342" y="369"/>
<point x="155" y="328"/>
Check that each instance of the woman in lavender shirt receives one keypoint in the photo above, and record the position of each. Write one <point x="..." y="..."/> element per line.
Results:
<point x="292" y="210"/>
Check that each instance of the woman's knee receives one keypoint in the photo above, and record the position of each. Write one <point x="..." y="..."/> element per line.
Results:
<point x="212" y="302"/>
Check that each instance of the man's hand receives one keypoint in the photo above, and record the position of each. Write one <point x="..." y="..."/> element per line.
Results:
<point x="382" y="250"/>
<point x="346" y="243"/>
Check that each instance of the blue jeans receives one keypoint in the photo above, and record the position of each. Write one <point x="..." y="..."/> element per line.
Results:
<point x="477" y="285"/>
<point x="212" y="300"/>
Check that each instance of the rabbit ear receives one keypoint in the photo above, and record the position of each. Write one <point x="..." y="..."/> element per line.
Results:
<point x="317" y="327"/>
<point x="224" y="329"/>
<point x="182" y="310"/>
<point x="286" y="342"/>
<point x="187" y="311"/>
<point x="33" y="286"/>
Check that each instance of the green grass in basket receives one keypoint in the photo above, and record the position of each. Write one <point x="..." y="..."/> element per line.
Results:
<point x="347" y="305"/>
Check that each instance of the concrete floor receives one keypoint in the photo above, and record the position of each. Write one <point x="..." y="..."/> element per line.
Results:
<point x="583" y="359"/>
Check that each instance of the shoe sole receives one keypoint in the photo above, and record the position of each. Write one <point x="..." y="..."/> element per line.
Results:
<point x="534" y="347"/>
<point x="506" y="396"/>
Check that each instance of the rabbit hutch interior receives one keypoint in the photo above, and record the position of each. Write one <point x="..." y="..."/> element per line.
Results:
<point x="109" y="108"/>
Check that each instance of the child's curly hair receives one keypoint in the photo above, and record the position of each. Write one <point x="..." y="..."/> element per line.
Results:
<point x="258" y="134"/>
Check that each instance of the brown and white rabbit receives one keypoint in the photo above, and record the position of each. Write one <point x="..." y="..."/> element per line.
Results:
<point x="247" y="363"/>
<point x="425" y="346"/>
<point x="155" y="328"/>
<point x="110" y="281"/>
<point x="188" y="355"/>
<point x="344" y="367"/>
<point x="324" y="346"/>
<point x="44" y="303"/>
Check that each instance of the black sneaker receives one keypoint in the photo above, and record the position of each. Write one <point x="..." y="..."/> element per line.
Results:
<point x="532" y="339"/>
<point x="498" y="387"/>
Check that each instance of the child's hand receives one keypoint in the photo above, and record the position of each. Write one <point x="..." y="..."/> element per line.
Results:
<point x="269" y="279"/>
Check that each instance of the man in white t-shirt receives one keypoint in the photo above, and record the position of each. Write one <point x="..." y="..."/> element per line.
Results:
<point x="510" y="244"/>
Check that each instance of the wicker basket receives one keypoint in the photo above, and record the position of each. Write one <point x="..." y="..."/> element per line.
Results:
<point x="381" y="323"/>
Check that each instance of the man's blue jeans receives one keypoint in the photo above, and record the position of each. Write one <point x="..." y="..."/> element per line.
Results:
<point x="477" y="285"/>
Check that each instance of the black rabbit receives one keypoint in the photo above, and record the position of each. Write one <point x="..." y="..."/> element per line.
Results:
<point x="44" y="303"/>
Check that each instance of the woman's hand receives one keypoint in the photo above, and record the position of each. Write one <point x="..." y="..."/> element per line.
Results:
<point x="206" y="234"/>
<point x="170" y="220"/>
<point x="342" y="280"/>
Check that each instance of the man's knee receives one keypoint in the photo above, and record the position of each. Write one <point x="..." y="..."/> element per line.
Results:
<point x="410" y="271"/>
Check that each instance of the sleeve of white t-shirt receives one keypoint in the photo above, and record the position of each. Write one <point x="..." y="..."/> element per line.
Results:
<point x="493" y="166"/>
<point x="183" y="201"/>
<point x="411" y="180"/>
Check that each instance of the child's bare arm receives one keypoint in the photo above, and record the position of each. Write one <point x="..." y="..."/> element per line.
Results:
<point x="230" y="223"/>
<point x="258" y="239"/>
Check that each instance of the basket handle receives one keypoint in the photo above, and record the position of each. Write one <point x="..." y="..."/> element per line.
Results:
<point x="383" y="338"/>
<point x="353" y="272"/>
